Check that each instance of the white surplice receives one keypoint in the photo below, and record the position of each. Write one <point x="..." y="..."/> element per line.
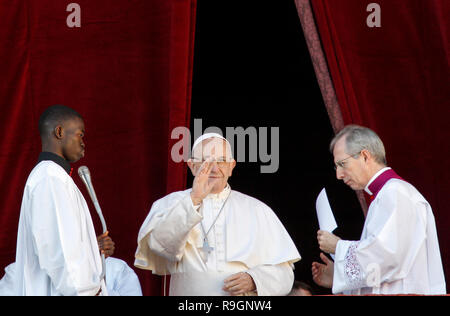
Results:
<point x="121" y="280"/>
<point x="57" y="251"/>
<point x="246" y="236"/>
<point x="398" y="252"/>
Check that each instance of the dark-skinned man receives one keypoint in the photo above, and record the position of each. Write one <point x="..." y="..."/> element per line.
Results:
<point x="57" y="249"/>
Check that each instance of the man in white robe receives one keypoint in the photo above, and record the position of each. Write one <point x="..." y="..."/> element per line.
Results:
<point x="121" y="280"/>
<point x="213" y="240"/>
<point x="398" y="252"/>
<point x="57" y="251"/>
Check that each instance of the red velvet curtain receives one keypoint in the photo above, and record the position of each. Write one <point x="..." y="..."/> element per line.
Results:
<point x="395" y="79"/>
<point x="127" y="69"/>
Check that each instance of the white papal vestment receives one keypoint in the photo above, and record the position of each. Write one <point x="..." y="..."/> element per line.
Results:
<point x="398" y="252"/>
<point x="57" y="251"/>
<point x="246" y="236"/>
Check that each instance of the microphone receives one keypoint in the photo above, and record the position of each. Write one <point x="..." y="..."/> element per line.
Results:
<point x="85" y="175"/>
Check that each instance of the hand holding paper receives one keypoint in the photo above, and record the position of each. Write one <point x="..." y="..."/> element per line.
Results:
<point x="327" y="241"/>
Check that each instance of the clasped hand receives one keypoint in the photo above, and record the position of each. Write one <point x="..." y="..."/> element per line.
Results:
<point x="239" y="283"/>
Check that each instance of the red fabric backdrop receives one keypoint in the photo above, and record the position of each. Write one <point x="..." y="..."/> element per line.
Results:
<point x="128" y="71"/>
<point x="396" y="80"/>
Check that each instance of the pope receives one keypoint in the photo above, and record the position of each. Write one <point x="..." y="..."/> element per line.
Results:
<point x="213" y="240"/>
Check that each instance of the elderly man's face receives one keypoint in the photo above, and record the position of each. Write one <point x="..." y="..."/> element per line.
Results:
<point x="222" y="161"/>
<point x="350" y="169"/>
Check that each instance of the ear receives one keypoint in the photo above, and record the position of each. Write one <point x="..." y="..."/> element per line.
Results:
<point x="233" y="164"/>
<point x="190" y="164"/>
<point x="366" y="155"/>
<point x="58" y="132"/>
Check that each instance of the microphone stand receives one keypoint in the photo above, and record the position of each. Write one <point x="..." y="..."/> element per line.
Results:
<point x="85" y="175"/>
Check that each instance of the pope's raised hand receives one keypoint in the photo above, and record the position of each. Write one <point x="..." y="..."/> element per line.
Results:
<point x="202" y="184"/>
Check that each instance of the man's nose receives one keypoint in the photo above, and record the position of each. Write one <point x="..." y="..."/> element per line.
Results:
<point x="339" y="173"/>
<point x="214" y="167"/>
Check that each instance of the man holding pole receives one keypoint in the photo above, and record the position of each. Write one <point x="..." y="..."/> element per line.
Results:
<point x="57" y="248"/>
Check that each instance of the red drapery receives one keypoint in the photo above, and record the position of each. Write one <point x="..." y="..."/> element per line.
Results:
<point x="395" y="79"/>
<point x="128" y="71"/>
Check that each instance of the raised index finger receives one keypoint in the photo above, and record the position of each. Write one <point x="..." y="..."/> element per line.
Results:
<point x="205" y="167"/>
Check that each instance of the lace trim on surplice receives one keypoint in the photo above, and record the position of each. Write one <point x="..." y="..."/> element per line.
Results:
<point x="353" y="271"/>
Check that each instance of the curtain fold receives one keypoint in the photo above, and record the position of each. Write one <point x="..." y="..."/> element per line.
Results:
<point x="312" y="38"/>
<point x="323" y="76"/>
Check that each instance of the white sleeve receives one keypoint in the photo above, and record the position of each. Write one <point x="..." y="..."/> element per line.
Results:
<point x="58" y="240"/>
<point x="128" y="283"/>
<point x="348" y="274"/>
<point x="171" y="229"/>
<point x="273" y="280"/>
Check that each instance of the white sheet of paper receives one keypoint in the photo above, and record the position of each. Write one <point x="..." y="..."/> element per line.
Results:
<point x="324" y="212"/>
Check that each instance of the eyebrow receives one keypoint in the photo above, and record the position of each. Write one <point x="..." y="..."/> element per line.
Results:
<point x="206" y="157"/>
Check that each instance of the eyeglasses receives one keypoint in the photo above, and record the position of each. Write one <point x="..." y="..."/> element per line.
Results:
<point x="221" y="161"/>
<point x="342" y="163"/>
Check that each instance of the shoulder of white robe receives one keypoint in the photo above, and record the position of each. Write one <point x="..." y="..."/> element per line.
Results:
<point x="266" y="217"/>
<point x="48" y="170"/>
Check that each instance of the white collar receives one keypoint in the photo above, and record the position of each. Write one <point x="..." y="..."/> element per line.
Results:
<point x="221" y="195"/>
<point x="373" y="179"/>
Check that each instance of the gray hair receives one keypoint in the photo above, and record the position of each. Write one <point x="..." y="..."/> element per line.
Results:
<point x="358" y="138"/>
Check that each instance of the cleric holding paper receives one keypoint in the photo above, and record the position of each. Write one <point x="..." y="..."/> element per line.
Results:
<point x="213" y="240"/>
<point x="57" y="251"/>
<point x="398" y="252"/>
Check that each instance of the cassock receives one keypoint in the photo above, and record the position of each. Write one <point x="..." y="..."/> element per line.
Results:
<point x="121" y="280"/>
<point x="398" y="252"/>
<point x="57" y="251"/>
<point x="244" y="234"/>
